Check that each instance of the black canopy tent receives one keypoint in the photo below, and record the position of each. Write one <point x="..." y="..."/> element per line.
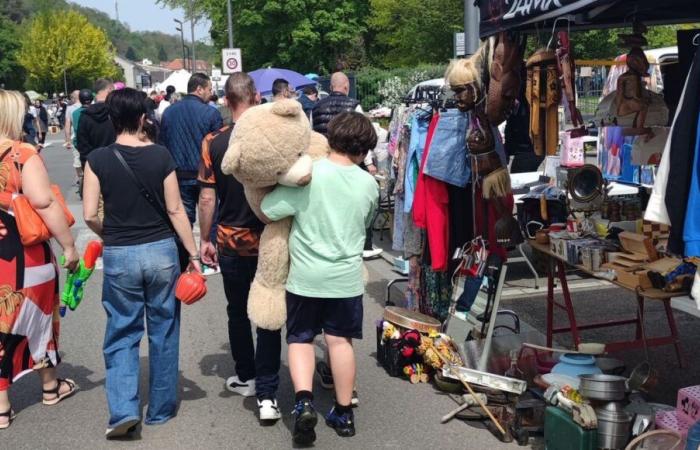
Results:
<point x="537" y="15"/>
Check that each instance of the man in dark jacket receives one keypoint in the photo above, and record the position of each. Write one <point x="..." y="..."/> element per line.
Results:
<point x="95" y="130"/>
<point x="334" y="104"/>
<point x="183" y="128"/>
<point x="308" y="99"/>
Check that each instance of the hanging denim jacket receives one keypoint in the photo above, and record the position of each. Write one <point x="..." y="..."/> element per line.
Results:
<point x="419" y="132"/>
<point x="448" y="160"/>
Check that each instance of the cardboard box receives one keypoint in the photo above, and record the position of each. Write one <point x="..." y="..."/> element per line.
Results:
<point x="633" y="278"/>
<point x="639" y="245"/>
<point x="631" y="266"/>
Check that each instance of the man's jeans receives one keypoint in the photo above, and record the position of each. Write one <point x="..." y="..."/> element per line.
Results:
<point x="262" y="363"/>
<point x="137" y="279"/>
<point x="190" y="197"/>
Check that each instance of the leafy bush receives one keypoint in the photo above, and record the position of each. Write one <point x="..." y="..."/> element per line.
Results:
<point x="379" y="87"/>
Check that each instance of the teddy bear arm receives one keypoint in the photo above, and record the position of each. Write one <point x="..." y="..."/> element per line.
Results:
<point x="255" y="196"/>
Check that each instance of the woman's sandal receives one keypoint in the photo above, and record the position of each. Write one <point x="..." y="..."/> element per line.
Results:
<point x="10" y="414"/>
<point x="56" y="391"/>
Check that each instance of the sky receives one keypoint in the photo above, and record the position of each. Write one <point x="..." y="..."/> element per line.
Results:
<point x="146" y="15"/>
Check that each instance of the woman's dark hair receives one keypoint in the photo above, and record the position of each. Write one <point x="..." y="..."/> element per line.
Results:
<point x="126" y="107"/>
<point x="351" y="133"/>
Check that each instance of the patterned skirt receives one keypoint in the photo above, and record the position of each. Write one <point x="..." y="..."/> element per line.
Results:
<point x="29" y="319"/>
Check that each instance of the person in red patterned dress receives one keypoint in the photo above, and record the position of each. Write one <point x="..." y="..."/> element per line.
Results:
<point x="29" y="319"/>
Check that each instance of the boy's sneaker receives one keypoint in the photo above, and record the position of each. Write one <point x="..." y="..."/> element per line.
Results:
<point x="244" y="388"/>
<point x="343" y="424"/>
<point x="324" y="372"/>
<point x="304" y="423"/>
<point x="268" y="410"/>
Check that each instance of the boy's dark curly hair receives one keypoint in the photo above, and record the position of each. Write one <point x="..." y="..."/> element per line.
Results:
<point x="351" y="133"/>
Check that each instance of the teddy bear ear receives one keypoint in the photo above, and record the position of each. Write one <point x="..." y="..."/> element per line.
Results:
<point x="287" y="107"/>
<point x="232" y="158"/>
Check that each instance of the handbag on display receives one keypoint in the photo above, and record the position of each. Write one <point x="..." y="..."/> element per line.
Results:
<point x="540" y="208"/>
<point x="31" y="227"/>
<point x="469" y="275"/>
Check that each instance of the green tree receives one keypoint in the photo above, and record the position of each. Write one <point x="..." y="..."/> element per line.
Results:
<point x="409" y="32"/>
<point x="11" y="73"/>
<point x="305" y="35"/>
<point x="130" y="54"/>
<point x="162" y="54"/>
<point x="51" y="49"/>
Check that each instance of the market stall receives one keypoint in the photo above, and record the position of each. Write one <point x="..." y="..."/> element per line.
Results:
<point x="454" y="221"/>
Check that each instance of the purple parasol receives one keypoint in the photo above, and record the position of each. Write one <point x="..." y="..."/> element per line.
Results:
<point x="265" y="77"/>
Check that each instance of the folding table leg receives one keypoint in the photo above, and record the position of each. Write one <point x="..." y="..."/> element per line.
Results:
<point x="550" y="300"/>
<point x="640" y="318"/>
<point x="569" y="305"/>
<point x="674" y="332"/>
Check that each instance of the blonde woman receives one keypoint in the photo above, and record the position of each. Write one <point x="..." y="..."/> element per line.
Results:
<point x="28" y="275"/>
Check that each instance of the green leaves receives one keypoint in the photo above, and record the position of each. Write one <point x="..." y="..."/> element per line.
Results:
<point x="54" y="43"/>
<point x="305" y="35"/>
<point x="11" y="73"/>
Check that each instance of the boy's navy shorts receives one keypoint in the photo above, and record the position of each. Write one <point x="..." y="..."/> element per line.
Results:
<point x="309" y="316"/>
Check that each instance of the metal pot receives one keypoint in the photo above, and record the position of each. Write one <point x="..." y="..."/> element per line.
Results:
<point x="603" y="387"/>
<point x="613" y="426"/>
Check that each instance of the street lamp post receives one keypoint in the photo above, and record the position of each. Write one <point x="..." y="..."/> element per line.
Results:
<point x="471" y="28"/>
<point x="194" y="44"/>
<point x="182" y="38"/>
<point x="230" y="23"/>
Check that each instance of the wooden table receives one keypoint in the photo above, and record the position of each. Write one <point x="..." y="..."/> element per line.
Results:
<point x="556" y="268"/>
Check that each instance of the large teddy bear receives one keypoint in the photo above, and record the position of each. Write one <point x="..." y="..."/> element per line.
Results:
<point x="272" y="144"/>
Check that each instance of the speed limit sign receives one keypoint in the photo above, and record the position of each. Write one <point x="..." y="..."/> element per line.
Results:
<point x="231" y="60"/>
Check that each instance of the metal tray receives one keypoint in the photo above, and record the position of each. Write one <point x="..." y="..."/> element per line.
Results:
<point x="485" y="379"/>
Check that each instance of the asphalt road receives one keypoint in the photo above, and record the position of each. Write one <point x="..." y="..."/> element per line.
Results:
<point x="392" y="412"/>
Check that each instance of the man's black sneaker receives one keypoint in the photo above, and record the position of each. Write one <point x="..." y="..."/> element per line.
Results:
<point x="304" y="423"/>
<point x="343" y="424"/>
<point x="324" y="372"/>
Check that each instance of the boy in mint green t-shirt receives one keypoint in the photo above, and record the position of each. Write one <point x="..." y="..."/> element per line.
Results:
<point x="325" y="285"/>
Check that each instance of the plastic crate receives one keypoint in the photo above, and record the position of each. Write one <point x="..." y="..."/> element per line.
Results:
<point x="688" y="403"/>
<point x="674" y="421"/>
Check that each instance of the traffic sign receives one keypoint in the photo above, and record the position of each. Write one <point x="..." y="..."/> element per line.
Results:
<point x="231" y="60"/>
<point x="459" y="45"/>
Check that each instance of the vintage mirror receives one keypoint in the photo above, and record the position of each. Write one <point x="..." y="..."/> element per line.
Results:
<point x="585" y="188"/>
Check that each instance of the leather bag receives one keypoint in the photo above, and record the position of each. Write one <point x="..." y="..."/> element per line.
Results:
<point x="31" y="227"/>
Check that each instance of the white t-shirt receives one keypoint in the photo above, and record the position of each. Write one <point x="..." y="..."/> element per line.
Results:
<point x="69" y="113"/>
<point x="162" y="106"/>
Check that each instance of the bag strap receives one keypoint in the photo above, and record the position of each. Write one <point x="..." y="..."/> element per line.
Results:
<point x="5" y="153"/>
<point x="147" y="195"/>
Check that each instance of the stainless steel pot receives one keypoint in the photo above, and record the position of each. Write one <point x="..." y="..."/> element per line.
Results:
<point x="613" y="426"/>
<point x="603" y="387"/>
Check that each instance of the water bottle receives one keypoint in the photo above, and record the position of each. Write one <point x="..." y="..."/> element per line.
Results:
<point x="693" y="441"/>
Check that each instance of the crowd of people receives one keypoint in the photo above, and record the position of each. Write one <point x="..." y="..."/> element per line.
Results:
<point x="150" y="167"/>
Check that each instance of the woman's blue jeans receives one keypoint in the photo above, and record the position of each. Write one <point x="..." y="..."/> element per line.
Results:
<point x="141" y="279"/>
